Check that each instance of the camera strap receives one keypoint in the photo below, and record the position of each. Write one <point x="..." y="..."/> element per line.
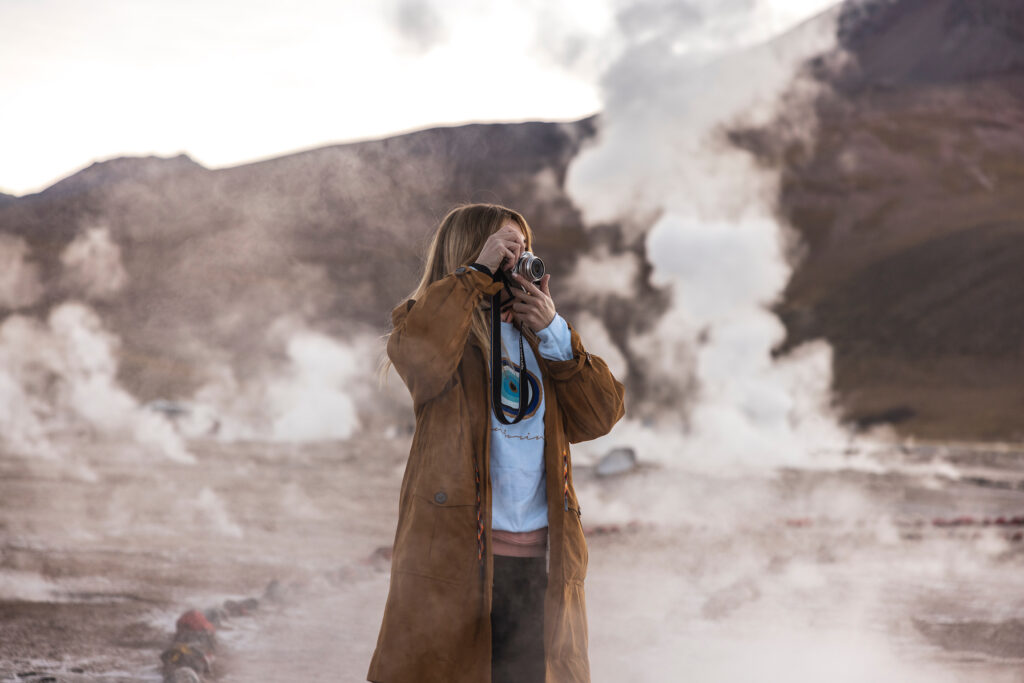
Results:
<point x="497" y="375"/>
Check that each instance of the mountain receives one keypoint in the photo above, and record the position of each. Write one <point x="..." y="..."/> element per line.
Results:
<point x="332" y="238"/>
<point x="908" y="200"/>
<point x="910" y="205"/>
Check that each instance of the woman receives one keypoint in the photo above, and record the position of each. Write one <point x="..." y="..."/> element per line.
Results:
<point x="489" y="556"/>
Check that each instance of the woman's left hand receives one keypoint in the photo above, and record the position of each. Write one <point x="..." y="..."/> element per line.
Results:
<point x="534" y="306"/>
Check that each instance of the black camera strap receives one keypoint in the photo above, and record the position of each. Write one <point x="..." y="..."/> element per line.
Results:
<point x="496" y="369"/>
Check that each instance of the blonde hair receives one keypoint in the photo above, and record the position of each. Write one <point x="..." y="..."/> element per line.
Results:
<point x="458" y="241"/>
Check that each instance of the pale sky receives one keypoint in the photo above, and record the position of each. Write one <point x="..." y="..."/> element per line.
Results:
<point x="232" y="81"/>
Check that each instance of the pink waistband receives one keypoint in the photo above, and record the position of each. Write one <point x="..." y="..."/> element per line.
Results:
<point x="520" y="543"/>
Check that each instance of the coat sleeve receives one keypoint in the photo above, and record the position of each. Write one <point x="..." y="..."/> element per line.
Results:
<point x="590" y="398"/>
<point x="429" y="334"/>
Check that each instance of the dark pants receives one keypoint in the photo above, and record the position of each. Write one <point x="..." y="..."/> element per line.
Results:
<point x="517" y="619"/>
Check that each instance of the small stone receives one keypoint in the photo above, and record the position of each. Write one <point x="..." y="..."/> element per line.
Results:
<point x="729" y="599"/>
<point x="194" y="620"/>
<point x="274" y="591"/>
<point x="216" y="615"/>
<point x="617" y="461"/>
<point x="381" y="555"/>
<point x="234" y="608"/>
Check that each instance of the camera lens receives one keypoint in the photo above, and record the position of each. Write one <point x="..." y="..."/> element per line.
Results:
<point x="536" y="268"/>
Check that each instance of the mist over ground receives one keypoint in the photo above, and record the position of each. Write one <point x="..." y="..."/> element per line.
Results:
<point x="797" y="253"/>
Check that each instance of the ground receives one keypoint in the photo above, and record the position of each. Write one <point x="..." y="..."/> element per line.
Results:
<point x="899" y="567"/>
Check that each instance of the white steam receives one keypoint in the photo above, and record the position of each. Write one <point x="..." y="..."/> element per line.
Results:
<point x="58" y="383"/>
<point x="605" y="274"/>
<point x="316" y="394"/>
<point x="310" y="401"/>
<point x="19" y="277"/>
<point x="761" y="564"/>
<point x="209" y="508"/>
<point x="599" y="341"/>
<point x="715" y="241"/>
<point x="92" y="265"/>
<point x="24" y="585"/>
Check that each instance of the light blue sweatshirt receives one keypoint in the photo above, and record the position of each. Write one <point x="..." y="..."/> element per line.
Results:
<point x="517" y="451"/>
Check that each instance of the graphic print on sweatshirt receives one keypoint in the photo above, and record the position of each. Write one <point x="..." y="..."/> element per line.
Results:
<point x="519" y="501"/>
<point x="511" y="391"/>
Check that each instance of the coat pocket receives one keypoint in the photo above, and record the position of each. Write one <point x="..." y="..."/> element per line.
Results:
<point x="442" y="539"/>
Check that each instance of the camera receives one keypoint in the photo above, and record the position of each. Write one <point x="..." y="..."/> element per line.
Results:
<point x="529" y="266"/>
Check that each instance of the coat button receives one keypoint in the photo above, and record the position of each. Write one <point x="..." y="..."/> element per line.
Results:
<point x="440" y="497"/>
<point x="460" y="270"/>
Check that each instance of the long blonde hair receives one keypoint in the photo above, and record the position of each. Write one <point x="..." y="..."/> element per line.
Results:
<point x="458" y="241"/>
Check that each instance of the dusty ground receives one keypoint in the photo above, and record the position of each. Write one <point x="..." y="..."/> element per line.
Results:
<point x="904" y="570"/>
<point x="93" y="575"/>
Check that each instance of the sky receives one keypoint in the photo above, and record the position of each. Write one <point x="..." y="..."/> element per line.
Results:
<point x="229" y="82"/>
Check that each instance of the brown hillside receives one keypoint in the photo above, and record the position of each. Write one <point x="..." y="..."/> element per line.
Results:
<point x="333" y="237"/>
<point x="911" y="209"/>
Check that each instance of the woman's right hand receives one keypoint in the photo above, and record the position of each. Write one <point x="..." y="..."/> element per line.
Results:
<point x="503" y="248"/>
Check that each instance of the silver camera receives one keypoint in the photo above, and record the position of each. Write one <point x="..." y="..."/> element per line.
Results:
<point x="529" y="266"/>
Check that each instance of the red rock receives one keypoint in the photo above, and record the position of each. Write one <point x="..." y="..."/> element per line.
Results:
<point x="194" y="620"/>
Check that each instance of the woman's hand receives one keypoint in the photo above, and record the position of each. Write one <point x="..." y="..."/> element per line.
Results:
<point x="503" y="248"/>
<point x="533" y="307"/>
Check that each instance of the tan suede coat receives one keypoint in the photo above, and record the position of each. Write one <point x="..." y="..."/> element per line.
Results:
<point x="436" y="626"/>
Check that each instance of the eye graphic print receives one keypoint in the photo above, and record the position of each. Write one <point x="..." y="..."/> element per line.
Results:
<point x="510" y="390"/>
